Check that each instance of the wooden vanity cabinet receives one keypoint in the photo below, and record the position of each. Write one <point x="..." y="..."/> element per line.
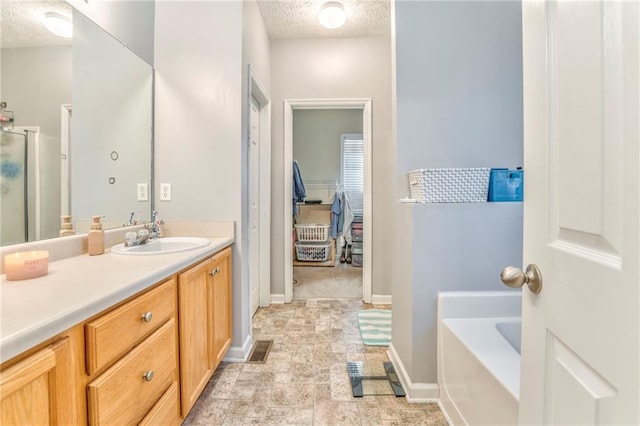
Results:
<point x="144" y="361"/>
<point x="204" y="298"/>
<point x="40" y="389"/>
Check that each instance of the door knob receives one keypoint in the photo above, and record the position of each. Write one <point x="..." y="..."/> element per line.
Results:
<point x="514" y="277"/>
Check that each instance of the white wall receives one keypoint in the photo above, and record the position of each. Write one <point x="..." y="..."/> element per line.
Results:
<point x="459" y="104"/>
<point x="198" y="135"/>
<point x="336" y="68"/>
<point x="316" y="141"/>
<point x="35" y="82"/>
<point x="256" y="47"/>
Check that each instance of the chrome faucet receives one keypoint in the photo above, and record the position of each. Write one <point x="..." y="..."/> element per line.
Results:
<point x="136" y="238"/>
<point x="150" y="232"/>
<point x="154" y="226"/>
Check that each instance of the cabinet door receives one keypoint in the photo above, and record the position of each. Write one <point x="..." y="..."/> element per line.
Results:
<point x="221" y="284"/>
<point x="40" y="390"/>
<point x="194" y="301"/>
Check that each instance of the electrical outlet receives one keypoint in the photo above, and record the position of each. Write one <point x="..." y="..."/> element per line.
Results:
<point x="165" y="192"/>
<point x="143" y="192"/>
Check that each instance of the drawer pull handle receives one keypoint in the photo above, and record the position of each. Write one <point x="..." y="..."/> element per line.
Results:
<point x="148" y="376"/>
<point x="215" y="271"/>
<point x="146" y="317"/>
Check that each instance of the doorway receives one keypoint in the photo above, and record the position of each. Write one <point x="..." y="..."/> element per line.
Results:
<point x="328" y="151"/>
<point x="364" y="106"/>
<point x="259" y="159"/>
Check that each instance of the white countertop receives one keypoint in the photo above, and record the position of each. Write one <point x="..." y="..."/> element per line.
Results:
<point x="78" y="288"/>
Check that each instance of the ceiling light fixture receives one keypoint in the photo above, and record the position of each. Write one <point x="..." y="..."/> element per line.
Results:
<point x="332" y="15"/>
<point x="58" y="24"/>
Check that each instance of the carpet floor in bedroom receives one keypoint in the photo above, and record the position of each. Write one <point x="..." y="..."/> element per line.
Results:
<point x="341" y="281"/>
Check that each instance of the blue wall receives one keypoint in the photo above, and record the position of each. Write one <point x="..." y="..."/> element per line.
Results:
<point x="459" y="104"/>
<point x="459" y="84"/>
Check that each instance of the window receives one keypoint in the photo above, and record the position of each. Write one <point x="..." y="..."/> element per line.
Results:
<point x="353" y="170"/>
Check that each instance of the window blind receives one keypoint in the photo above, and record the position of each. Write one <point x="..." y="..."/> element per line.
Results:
<point x="353" y="170"/>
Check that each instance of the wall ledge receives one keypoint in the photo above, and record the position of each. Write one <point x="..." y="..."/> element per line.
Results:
<point x="416" y="392"/>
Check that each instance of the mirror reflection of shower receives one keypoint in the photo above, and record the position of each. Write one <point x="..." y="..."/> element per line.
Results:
<point x="19" y="185"/>
<point x="6" y="117"/>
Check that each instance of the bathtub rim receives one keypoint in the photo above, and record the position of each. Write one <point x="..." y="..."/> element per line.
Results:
<point x="497" y="367"/>
<point x="471" y="304"/>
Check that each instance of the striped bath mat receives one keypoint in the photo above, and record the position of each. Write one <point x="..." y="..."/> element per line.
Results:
<point x="375" y="327"/>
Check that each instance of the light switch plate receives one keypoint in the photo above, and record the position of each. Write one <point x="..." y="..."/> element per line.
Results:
<point x="143" y="192"/>
<point x="165" y="192"/>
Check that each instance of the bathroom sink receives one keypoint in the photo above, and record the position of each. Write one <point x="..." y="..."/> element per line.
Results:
<point x="162" y="246"/>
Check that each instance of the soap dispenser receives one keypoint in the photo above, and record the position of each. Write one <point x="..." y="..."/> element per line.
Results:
<point x="66" y="228"/>
<point x="96" y="237"/>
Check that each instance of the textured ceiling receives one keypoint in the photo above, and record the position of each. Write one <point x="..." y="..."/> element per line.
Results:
<point x="21" y="26"/>
<point x="286" y="19"/>
<point x="21" y="23"/>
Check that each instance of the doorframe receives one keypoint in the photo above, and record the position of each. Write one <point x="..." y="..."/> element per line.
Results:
<point x="363" y="104"/>
<point x="65" y="159"/>
<point x="34" y="216"/>
<point x="258" y="91"/>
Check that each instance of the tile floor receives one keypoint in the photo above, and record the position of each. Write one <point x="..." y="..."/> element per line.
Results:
<point x="304" y="380"/>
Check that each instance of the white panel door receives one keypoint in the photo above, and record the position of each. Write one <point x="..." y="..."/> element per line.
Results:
<point x="254" y="205"/>
<point x="580" y="349"/>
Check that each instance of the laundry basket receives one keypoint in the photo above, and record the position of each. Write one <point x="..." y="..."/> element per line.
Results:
<point x="313" y="252"/>
<point x="461" y="185"/>
<point x="312" y="232"/>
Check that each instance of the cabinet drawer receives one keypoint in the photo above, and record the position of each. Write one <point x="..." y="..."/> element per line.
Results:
<point x="113" y="334"/>
<point x="165" y="412"/>
<point x="122" y="395"/>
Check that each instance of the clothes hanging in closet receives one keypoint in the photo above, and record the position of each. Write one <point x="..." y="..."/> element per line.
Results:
<point x="341" y="216"/>
<point x="299" y="193"/>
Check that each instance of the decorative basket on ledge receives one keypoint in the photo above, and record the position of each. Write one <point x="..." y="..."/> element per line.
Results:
<point x="461" y="185"/>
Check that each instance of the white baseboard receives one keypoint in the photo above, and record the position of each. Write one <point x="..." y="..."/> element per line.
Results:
<point x="445" y="414"/>
<point x="416" y="392"/>
<point x="381" y="299"/>
<point x="277" y="299"/>
<point x="239" y="354"/>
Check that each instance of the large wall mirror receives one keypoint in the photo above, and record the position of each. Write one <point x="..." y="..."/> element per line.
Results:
<point x="76" y="118"/>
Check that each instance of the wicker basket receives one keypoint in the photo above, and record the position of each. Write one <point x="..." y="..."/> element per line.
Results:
<point x="313" y="252"/>
<point x="470" y="185"/>
<point x="312" y="232"/>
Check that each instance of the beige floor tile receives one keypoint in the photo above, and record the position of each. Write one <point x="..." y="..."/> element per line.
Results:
<point x="292" y="416"/>
<point x="305" y="380"/>
<point x="336" y="413"/>
<point x="292" y="395"/>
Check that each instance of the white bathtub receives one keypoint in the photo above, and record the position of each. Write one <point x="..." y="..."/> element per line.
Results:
<point x="479" y="357"/>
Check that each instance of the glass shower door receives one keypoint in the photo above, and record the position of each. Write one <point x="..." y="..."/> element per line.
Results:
<point x="13" y="188"/>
